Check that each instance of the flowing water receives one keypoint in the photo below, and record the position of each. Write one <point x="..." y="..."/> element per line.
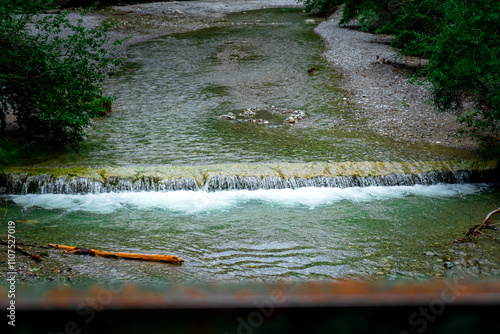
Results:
<point x="254" y="228"/>
<point x="306" y="233"/>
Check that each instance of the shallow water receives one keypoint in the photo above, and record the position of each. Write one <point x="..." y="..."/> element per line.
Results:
<point x="170" y="96"/>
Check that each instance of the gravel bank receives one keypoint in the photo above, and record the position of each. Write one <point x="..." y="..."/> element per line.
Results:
<point x="377" y="81"/>
<point x="143" y="22"/>
<point x="146" y="21"/>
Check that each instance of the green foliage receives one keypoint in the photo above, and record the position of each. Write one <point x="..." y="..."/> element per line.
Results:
<point x="320" y="6"/>
<point x="51" y="72"/>
<point x="461" y="39"/>
<point x="465" y="62"/>
<point x="7" y="153"/>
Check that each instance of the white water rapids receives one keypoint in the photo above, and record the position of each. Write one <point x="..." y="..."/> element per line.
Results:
<point x="189" y="202"/>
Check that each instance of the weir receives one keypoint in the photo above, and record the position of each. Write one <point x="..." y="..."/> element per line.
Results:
<point x="22" y="181"/>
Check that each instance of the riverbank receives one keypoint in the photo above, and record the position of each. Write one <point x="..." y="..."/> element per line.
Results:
<point x="377" y="79"/>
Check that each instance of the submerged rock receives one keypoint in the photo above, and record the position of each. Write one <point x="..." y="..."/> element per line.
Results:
<point x="249" y="114"/>
<point x="229" y="117"/>
<point x="260" y="121"/>
<point x="295" y="115"/>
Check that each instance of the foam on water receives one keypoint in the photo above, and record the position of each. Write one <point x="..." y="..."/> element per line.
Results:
<point x="188" y="202"/>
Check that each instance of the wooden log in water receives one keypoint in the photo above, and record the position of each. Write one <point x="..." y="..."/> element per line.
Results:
<point x="119" y="255"/>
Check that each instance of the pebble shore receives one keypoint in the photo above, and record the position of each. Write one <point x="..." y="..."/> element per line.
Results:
<point x="376" y="78"/>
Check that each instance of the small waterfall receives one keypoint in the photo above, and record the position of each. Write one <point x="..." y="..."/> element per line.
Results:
<point x="47" y="184"/>
<point x="32" y="183"/>
<point x="222" y="182"/>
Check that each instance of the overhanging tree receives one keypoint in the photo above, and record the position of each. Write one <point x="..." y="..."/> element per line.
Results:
<point x="51" y="72"/>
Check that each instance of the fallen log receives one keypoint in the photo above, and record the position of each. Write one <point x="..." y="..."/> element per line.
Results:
<point x="118" y="255"/>
<point x="34" y="257"/>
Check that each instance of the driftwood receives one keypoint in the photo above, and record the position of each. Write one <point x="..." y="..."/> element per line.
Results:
<point x="34" y="257"/>
<point x="486" y="224"/>
<point x="119" y="255"/>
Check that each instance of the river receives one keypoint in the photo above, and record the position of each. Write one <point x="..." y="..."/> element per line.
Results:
<point x="166" y="115"/>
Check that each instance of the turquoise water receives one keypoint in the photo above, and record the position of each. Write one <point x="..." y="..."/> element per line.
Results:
<point x="268" y="235"/>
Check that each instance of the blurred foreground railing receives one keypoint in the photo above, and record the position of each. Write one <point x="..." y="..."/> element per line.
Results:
<point x="444" y="306"/>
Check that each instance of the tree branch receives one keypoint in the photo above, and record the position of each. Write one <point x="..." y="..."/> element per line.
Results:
<point x="476" y="229"/>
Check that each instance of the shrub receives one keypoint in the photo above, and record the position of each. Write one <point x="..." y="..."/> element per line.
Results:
<point x="465" y="65"/>
<point x="51" y="72"/>
<point x="320" y="6"/>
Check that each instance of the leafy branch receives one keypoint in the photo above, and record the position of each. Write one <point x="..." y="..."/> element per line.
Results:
<point x="52" y="72"/>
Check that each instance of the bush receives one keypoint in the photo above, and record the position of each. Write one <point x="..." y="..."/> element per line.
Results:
<point x="320" y="6"/>
<point x="460" y="38"/>
<point x="51" y="72"/>
<point x="465" y="64"/>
